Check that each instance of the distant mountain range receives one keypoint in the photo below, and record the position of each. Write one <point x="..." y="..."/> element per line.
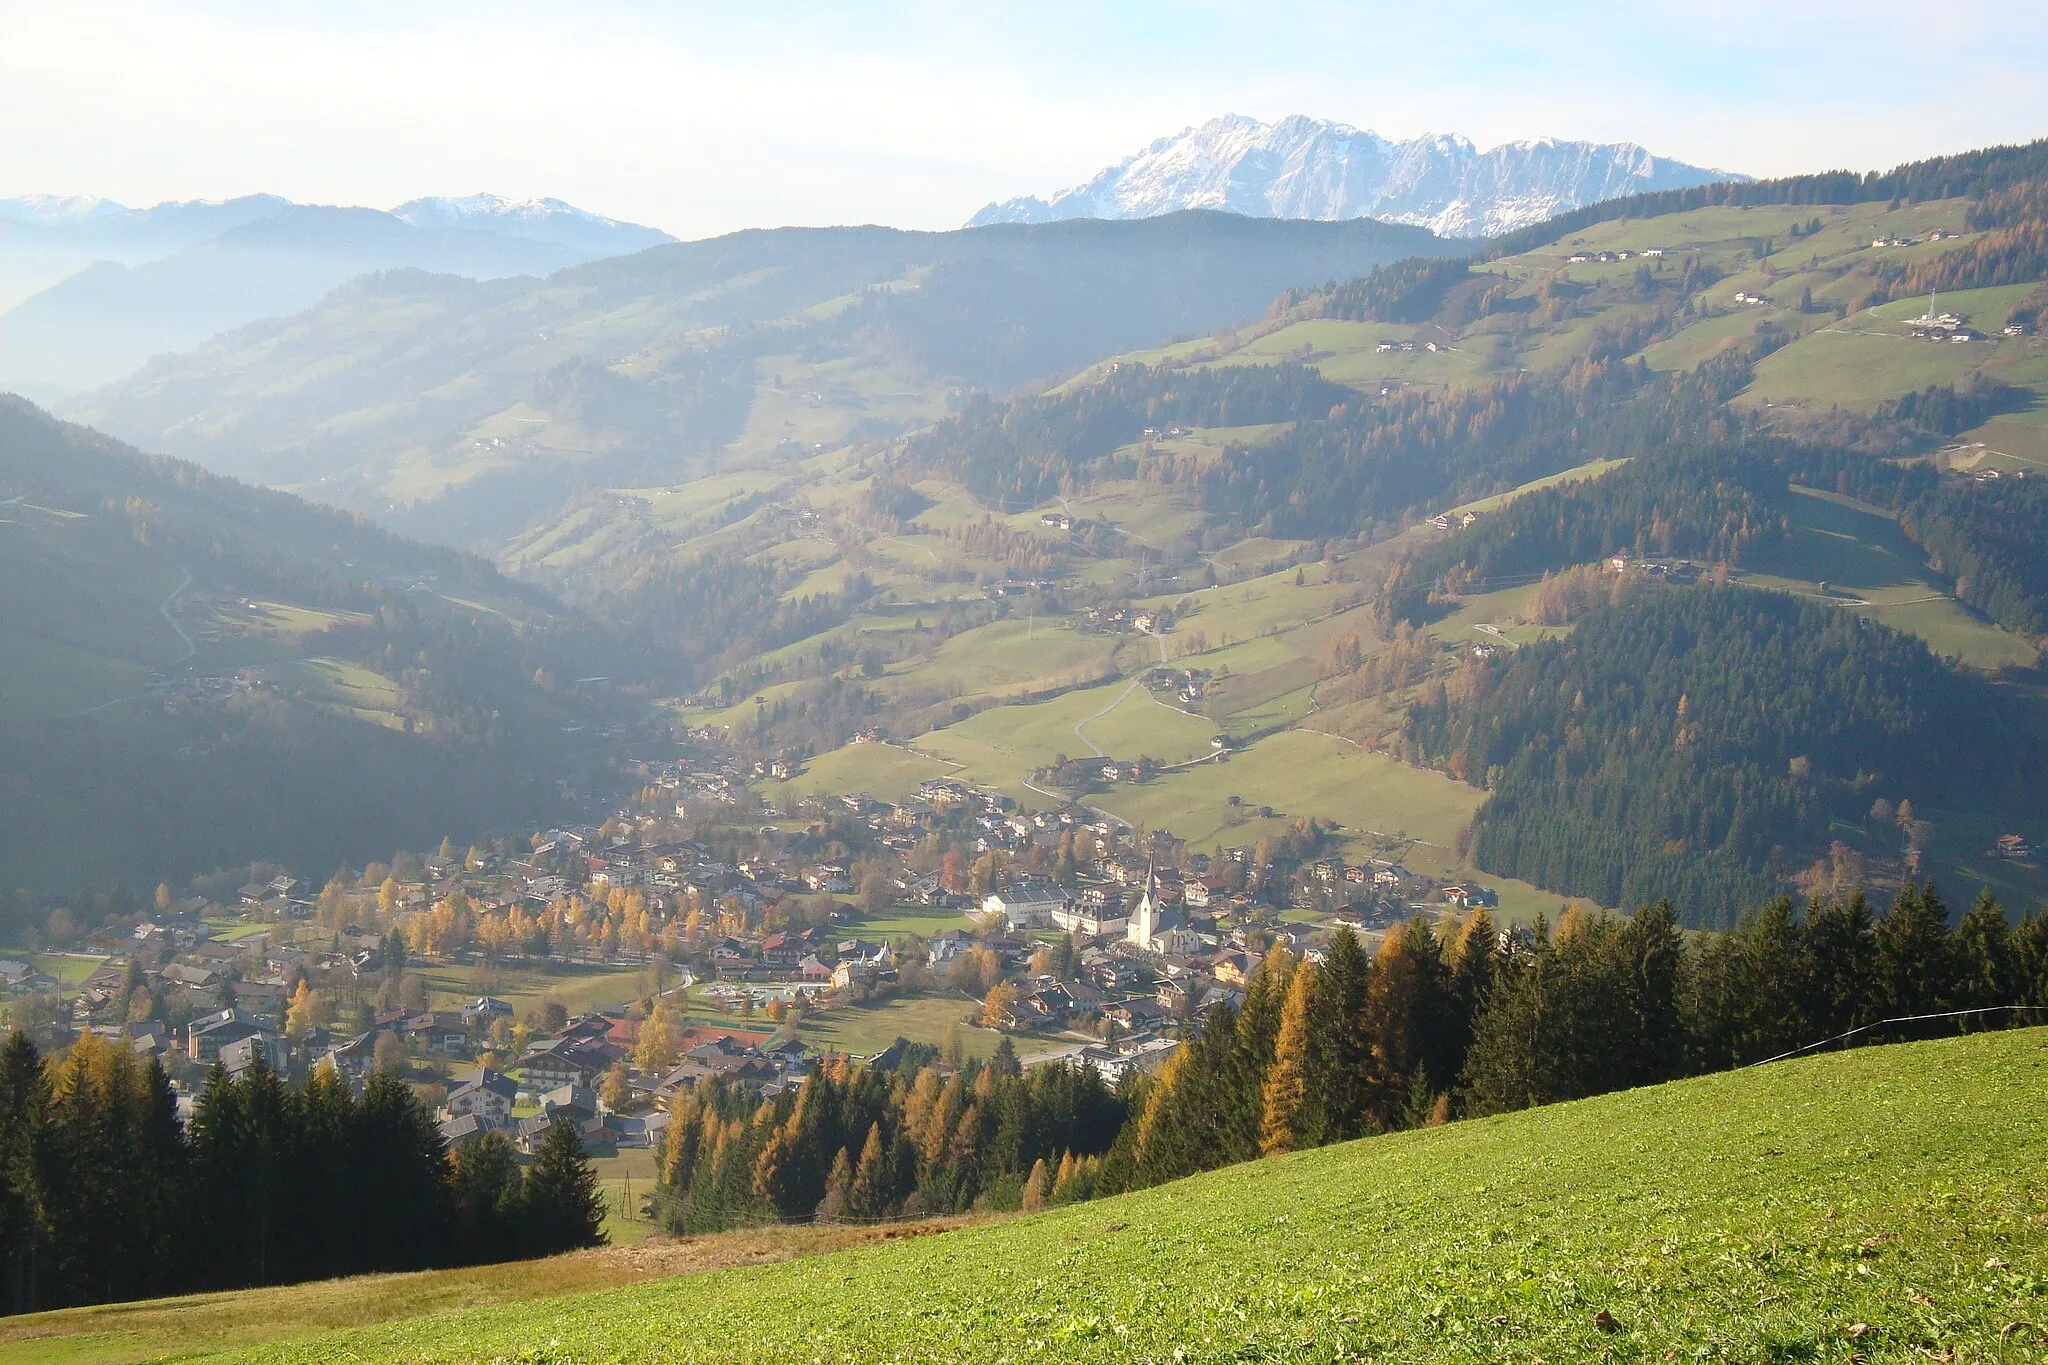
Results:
<point x="91" y="289"/>
<point x="1304" y="167"/>
<point x="461" y="410"/>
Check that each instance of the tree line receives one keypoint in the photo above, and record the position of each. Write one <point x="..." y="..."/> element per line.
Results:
<point x="105" y="1195"/>
<point x="868" y="1142"/>
<point x="1974" y="175"/>
<point x="1432" y="1026"/>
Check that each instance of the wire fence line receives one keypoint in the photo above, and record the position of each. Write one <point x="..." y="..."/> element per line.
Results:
<point x="1884" y="1023"/>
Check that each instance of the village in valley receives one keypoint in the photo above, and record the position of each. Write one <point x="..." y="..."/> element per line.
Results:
<point x="702" y="931"/>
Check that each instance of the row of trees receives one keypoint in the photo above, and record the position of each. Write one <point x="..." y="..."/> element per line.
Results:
<point x="1428" y="1028"/>
<point x="105" y="1196"/>
<point x="872" y="1142"/>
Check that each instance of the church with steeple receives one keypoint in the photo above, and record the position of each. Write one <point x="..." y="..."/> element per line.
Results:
<point x="1155" y="929"/>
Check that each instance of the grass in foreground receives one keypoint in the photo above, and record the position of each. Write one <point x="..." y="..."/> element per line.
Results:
<point x="114" y="1334"/>
<point x="1880" y="1205"/>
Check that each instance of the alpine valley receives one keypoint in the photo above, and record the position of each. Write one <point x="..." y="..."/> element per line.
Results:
<point x="1246" y="762"/>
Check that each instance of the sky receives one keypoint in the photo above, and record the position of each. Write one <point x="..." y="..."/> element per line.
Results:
<point x="704" y="118"/>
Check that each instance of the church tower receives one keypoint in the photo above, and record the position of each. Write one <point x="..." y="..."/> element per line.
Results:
<point x="1144" y="925"/>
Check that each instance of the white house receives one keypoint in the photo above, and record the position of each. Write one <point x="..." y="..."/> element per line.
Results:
<point x="486" y="1096"/>
<point x="1095" y="916"/>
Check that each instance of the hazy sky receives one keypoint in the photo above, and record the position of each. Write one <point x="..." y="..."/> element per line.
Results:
<point x="701" y="118"/>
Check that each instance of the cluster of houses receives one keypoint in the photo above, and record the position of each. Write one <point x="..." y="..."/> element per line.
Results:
<point x="1117" y="619"/>
<point x="1672" y="570"/>
<point x="1395" y="345"/>
<point x="560" y="1080"/>
<point x="1609" y="257"/>
<point x="178" y="695"/>
<point x="1160" y="955"/>
<point x="1943" y="326"/>
<point x="1190" y="685"/>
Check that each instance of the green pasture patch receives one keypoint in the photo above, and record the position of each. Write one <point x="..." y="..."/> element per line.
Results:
<point x="886" y="772"/>
<point x="68" y="969"/>
<point x="579" y="986"/>
<point x="1299" y="774"/>
<point x="1005" y="658"/>
<point x="864" y="1030"/>
<point x="1257" y="606"/>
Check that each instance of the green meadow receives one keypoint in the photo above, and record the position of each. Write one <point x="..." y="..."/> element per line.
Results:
<point x="1881" y="1205"/>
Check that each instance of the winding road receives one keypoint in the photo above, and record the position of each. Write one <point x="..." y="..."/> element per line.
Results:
<point x="165" y="612"/>
<point x="1136" y="683"/>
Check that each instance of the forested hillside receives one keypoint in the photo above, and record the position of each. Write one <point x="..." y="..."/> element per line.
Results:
<point x="326" y="685"/>
<point x="1716" y="505"/>
<point x="1701" y="741"/>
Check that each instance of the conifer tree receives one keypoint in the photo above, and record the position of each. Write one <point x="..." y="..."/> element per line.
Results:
<point x="838" y="1190"/>
<point x="160" y="1183"/>
<point x="219" y="1146"/>
<point x="1983" y="947"/>
<point x="871" y="1194"/>
<point x="1407" y="1002"/>
<point x="1474" y="951"/>
<point x="1647" y="950"/>
<point x="1502" y="1069"/>
<point x="1239" y="1099"/>
<point x="1842" y="950"/>
<point x="400" y="1175"/>
<point x="2027" y="957"/>
<point x="488" y="1197"/>
<point x="24" y="1171"/>
<point x="1287" y="1119"/>
<point x="1916" y="964"/>
<point x="564" y="1206"/>
<point x="1339" y="1052"/>
<point x="1036" y="1187"/>
<point x="1063" y="1180"/>
<point x="327" y="1233"/>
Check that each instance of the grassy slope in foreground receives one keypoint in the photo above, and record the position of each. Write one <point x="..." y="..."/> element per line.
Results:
<point x="1755" y="1215"/>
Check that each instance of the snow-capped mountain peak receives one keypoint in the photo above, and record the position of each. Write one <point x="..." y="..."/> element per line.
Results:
<point x="1302" y="167"/>
<point x="51" y="209"/>
<point x="541" y="220"/>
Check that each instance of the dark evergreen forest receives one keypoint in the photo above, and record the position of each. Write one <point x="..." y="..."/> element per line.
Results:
<point x="104" y="1195"/>
<point x="1697" y="744"/>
